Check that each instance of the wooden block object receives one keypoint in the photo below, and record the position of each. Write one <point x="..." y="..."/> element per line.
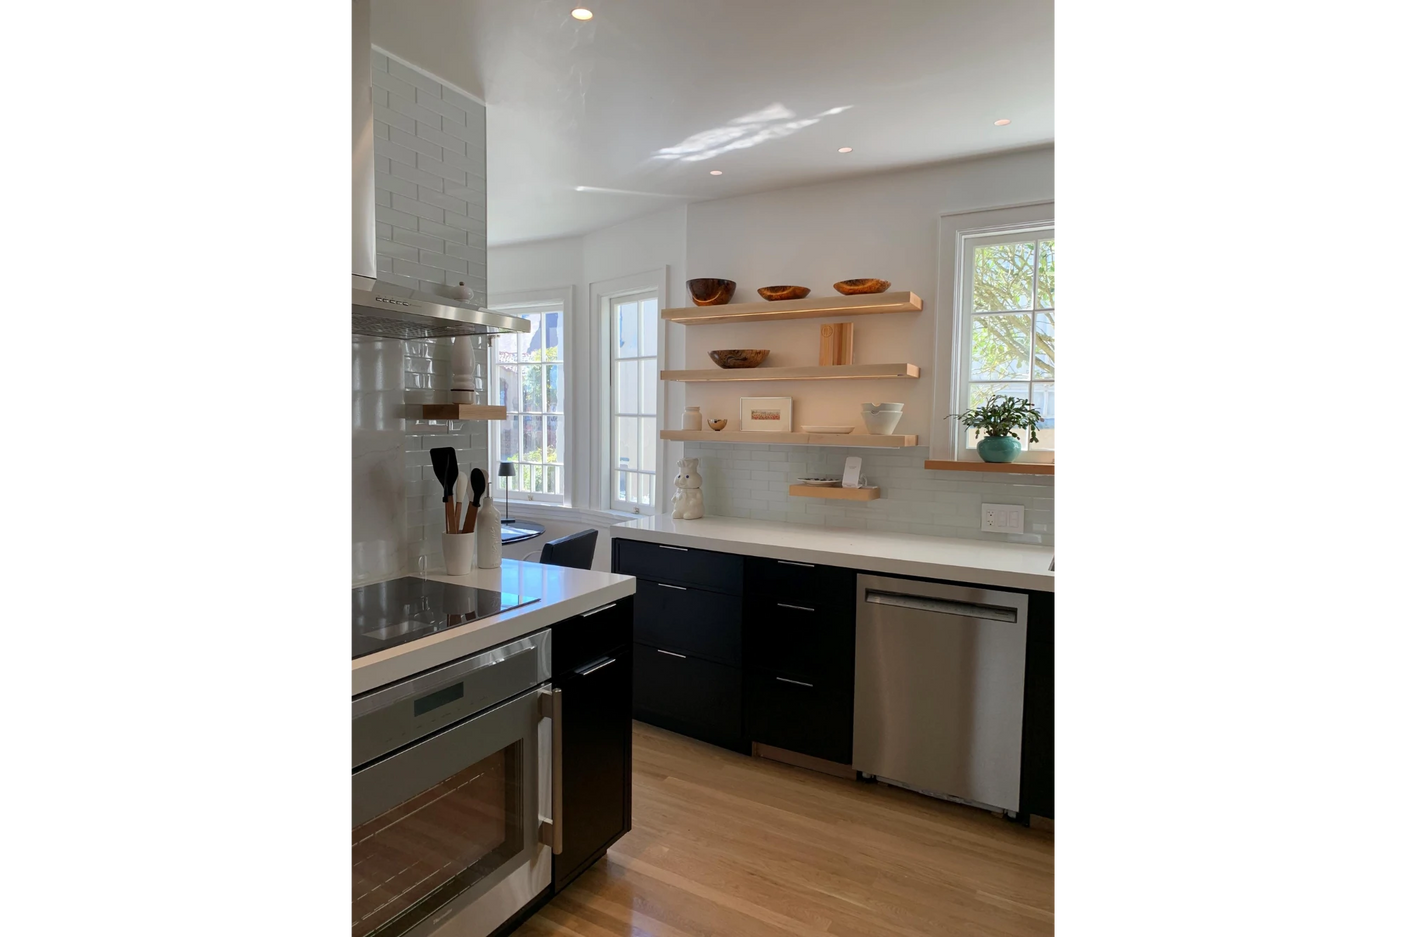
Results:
<point x="837" y="343"/>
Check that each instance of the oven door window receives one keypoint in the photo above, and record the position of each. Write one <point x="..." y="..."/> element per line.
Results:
<point x="441" y="817"/>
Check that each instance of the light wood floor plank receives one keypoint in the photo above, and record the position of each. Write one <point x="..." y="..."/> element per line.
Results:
<point x="729" y="846"/>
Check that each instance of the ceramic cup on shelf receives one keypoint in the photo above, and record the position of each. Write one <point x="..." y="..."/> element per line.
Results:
<point x="692" y="418"/>
<point x="458" y="553"/>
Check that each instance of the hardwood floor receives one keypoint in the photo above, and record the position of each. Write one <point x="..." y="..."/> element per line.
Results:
<point x="729" y="846"/>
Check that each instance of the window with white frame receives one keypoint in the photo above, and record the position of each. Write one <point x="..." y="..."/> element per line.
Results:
<point x="634" y="393"/>
<point x="530" y="381"/>
<point x="1008" y="326"/>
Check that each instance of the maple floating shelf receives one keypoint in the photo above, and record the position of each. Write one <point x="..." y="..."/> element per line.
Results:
<point x="847" y="440"/>
<point x="839" y="494"/>
<point x="827" y="372"/>
<point x="866" y="304"/>
<point x="1006" y="468"/>
<point x="461" y="411"/>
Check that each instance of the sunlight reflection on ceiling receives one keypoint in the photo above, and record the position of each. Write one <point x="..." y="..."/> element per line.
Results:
<point x="769" y="123"/>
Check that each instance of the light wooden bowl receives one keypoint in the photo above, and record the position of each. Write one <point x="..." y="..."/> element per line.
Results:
<point x="738" y="357"/>
<point x="856" y="287"/>
<point x="773" y="293"/>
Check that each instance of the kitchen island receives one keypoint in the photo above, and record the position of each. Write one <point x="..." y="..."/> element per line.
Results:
<point x="561" y="593"/>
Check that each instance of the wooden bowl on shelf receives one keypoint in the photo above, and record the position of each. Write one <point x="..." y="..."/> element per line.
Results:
<point x="738" y="357"/>
<point x="774" y="293"/>
<point x="710" y="291"/>
<point x="856" y="287"/>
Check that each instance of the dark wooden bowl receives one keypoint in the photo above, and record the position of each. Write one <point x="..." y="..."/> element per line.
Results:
<point x="855" y="287"/>
<point x="772" y="293"/>
<point x="709" y="291"/>
<point x="739" y="357"/>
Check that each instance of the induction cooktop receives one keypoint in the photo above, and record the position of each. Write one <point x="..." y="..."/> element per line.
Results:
<point x="388" y="614"/>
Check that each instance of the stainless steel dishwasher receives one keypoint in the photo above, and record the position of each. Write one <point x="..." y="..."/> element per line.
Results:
<point x="939" y="688"/>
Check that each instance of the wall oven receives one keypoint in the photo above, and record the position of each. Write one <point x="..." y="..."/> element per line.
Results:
<point x="452" y="794"/>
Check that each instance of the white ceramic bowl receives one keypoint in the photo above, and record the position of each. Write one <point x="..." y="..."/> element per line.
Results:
<point x="881" y="407"/>
<point x="828" y="430"/>
<point x="881" y="423"/>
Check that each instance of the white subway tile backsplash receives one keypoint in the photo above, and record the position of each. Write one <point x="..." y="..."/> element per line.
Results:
<point x="432" y="133"/>
<point x="422" y="247"/>
<point x="439" y="168"/>
<point x="417" y="208"/>
<point x="410" y="76"/>
<point x="408" y="108"/>
<point x="392" y="84"/>
<point x="418" y="239"/>
<point x="441" y="107"/>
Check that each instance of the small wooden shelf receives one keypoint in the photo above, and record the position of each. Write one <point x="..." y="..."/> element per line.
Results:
<point x="867" y="304"/>
<point x="828" y="372"/>
<point x="847" y="440"/>
<point x="461" y="411"/>
<point x="839" y="494"/>
<point x="1006" y="468"/>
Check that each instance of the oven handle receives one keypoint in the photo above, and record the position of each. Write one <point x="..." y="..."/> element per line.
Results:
<point x="550" y="832"/>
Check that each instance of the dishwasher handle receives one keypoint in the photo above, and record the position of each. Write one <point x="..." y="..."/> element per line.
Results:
<point x="923" y="603"/>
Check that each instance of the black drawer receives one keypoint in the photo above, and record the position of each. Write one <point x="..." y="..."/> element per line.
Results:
<point x="589" y="637"/>
<point x="811" y="717"/>
<point x="803" y="583"/>
<point x="689" y="695"/>
<point x="805" y="641"/>
<point x="690" y="621"/>
<point x="720" y="572"/>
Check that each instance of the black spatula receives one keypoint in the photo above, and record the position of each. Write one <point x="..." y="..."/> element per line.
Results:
<point x="446" y="469"/>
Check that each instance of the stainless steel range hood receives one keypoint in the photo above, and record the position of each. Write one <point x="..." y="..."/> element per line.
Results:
<point x="387" y="310"/>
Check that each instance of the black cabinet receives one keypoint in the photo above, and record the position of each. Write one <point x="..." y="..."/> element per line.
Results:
<point x="799" y="640"/>
<point x="685" y="566"/>
<point x="593" y="669"/>
<point x="813" y="716"/>
<point x="690" y="621"/>
<point x="689" y="695"/>
<point x="1037" y="744"/>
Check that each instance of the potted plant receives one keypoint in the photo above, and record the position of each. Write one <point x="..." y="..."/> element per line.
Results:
<point x="998" y="417"/>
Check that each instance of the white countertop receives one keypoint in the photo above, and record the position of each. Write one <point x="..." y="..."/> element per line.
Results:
<point x="1013" y="565"/>
<point x="562" y="593"/>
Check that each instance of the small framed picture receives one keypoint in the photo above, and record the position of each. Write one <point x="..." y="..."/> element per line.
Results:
<point x="766" y="415"/>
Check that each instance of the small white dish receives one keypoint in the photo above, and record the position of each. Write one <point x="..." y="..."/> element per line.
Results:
<point x="828" y="430"/>
<point x="819" y="482"/>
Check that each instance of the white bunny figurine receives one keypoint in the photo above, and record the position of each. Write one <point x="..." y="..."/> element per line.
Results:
<point x="688" y="496"/>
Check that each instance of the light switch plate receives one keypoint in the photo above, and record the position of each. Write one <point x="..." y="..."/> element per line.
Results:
<point x="1003" y="518"/>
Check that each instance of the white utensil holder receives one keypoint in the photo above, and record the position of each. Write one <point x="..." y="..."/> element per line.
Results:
<point x="458" y="553"/>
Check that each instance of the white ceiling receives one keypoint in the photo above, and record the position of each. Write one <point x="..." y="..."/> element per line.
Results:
<point x="639" y="103"/>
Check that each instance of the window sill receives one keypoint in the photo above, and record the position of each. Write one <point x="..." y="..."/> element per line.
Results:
<point x="548" y="511"/>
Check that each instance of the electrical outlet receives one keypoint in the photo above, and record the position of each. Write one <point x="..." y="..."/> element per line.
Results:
<point x="1003" y="518"/>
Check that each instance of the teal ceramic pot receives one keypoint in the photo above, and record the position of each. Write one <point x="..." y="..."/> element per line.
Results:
<point x="998" y="448"/>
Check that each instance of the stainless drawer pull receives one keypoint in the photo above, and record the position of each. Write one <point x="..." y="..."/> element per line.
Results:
<point x="605" y="663"/>
<point x="665" y="585"/>
<point x="665" y="546"/>
<point x="799" y="608"/>
<point x="796" y="682"/>
<point x="672" y="654"/>
<point x="794" y="563"/>
<point x="595" y="610"/>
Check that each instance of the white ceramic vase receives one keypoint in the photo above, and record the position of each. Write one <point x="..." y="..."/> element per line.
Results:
<point x="488" y="528"/>
<point x="692" y="418"/>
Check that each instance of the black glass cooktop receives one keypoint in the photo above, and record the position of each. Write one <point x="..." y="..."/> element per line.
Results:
<point x="397" y="612"/>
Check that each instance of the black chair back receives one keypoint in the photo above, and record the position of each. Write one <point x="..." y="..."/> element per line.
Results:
<point x="576" y="550"/>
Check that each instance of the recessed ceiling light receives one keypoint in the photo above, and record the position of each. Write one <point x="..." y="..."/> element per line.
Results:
<point x="846" y="149"/>
<point x="715" y="172"/>
<point x="1003" y="121"/>
<point x="581" y="13"/>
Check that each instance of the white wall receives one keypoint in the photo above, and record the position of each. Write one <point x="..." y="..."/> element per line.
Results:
<point x="881" y="226"/>
<point x="875" y="226"/>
